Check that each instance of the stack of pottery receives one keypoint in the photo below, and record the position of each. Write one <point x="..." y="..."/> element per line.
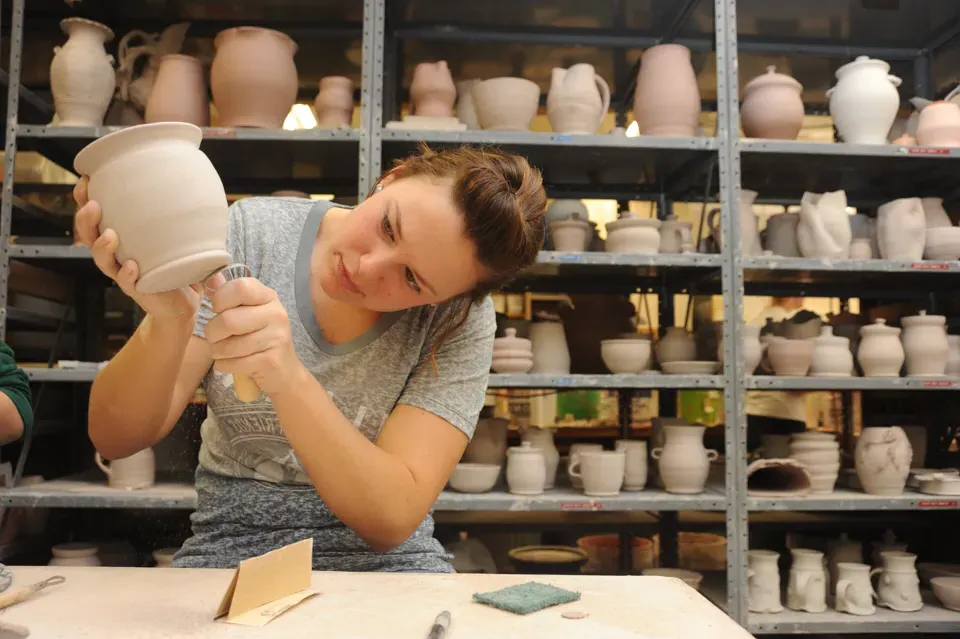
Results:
<point x="82" y="78"/>
<point x="831" y="355"/>
<point x="807" y="584"/>
<point x="899" y="585"/>
<point x="551" y="356"/>
<point x="667" y="99"/>
<point x="789" y="357"/>
<point x="902" y="230"/>
<point x="334" y="102"/>
<point x="512" y="354"/>
<point x="683" y="461"/>
<point x="542" y="440"/>
<point x="820" y="455"/>
<point x="571" y="235"/>
<point x="925" y="344"/>
<point x="880" y="353"/>
<point x="763" y="581"/>
<point x="865" y="101"/>
<point x="772" y="106"/>
<point x="179" y="93"/>
<point x="626" y="355"/>
<point x="823" y="230"/>
<point x="526" y="472"/>
<point x="633" y="234"/>
<point x="578" y="99"/>
<point x="506" y="104"/>
<point x="601" y="472"/>
<point x="882" y="460"/>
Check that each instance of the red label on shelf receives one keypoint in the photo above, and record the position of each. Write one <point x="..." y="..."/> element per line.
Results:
<point x="930" y="266"/>
<point x="928" y="150"/>
<point x="940" y="503"/>
<point x="939" y="383"/>
<point x="219" y="132"/>
<point x="581" y="505"/>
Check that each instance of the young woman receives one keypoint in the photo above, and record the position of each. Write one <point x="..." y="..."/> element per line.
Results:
<point x="369" y="332"/>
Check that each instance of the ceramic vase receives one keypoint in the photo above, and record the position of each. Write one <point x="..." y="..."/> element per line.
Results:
<point x="506" y="104"/>
<point x="772" y="106"/>
<point x="432" y="90"/>
<point x="898" y="587"/>
<point x="831" y="355"/>
<point x="551" y="356"/>
<point x="855" y="594"/>
<point x="253" y="78"/>
<point x="82" y="78"/>
<point x="781" y="234"/>
<point x="763" y="581"/>
<point x="635" y="469"/>
<point x="925" y="344"/>
<point x="578" y="100"/>
<point x="953" y="356"/>
<point x="163" y="198"/>
<point x="902" y="230"/>
<point x="542" y="439"/>
<point x="130" y="473"/>
<point x="824" y="227"/>
<point x="601" y="472"/>
<point x="526" y="472"/>
<point x="676" y="346"/>
<point x="633" y="234"/>
<point x="880" y="353"/>
<point x="466" y="112"/>
<point x="667" y="98"/>
<point x="883" y="456"/>
<point x="683" y="461"/>
<point x="939" y="124"/>
<point x="74" y="554"/>
<point x="179" y="93"/>
<point x="807" y="584"/>
<point x="865" y="101"/>
<point x="334" y="102"/>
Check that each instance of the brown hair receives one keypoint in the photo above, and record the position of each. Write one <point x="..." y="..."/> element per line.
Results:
<point x="502" y="201"/>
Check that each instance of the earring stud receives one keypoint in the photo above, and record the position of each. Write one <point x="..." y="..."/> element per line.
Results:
<point x="379" y="187"/>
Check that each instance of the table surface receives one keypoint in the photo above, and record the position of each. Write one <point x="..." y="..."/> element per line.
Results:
<point x="150" y="603"/>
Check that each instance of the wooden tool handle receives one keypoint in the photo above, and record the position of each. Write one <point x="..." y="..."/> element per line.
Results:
<point x="245" y="388"/>
<point x="15" y="596"/>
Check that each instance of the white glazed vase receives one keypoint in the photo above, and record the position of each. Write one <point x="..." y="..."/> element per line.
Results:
<point x="824" y="227"/>
<point x="902" y="230"/>
<point x="542" y="439"/>
<point x="882" y="459"/>
<point x="880" y="353"/>
<point x="684" y="463"/>
<point x="82" y="77"/>
<point x="925" y="344"/>
<point x="130" y="473"/>
<point x="763" y="581"/>
<point x="865" y="101"/>
<point x="550" y="353"/>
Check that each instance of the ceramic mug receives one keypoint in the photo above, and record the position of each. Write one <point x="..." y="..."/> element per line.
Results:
<point x="131" y="473"/>
<point x="575" y="450"/>
<point x="600" y="471"/>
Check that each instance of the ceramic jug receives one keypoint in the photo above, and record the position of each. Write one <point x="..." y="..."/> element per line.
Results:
<point x="667" y="98"/>
<point x="82" y="78"/>
<point x="132" y="473"/>
<point x="676" y="236"/>
<point x="334" y="102"/>
<point x="953" y="356"/>
<point x="432" y="90"/>
<point x="466" y="112"/>
<point x="763" y="581"/>
<point x="542" y="439"/>
<point x="163" y="198"/>
<point x="133" y="85"/>
<point x="749" y="236"/>
<point x="925" y="344"/>
<point x="831" y="355"/>
<point x="633" y="234"/>
<point x="253" y="77"/>
<point x="902" y="230"/>
<point x="601" y="472"/>
<point x="807" y="585"/>
<point x="881" y="352"/>
<point x="526" y="472"/>
<point x="578" y="100"/>
<point x="855" y="593"/>
<point x="506" y="104"/>
<point x="676" y="346"/>
<point x="551" y="356"/>
<point x="772" y="106"/>
<point x="635" y="470"/>
<point x="684" y="463"/>
<point x="899" y="586"/>
<point x="865" y="101"/>
<point x="939" y="124"/>
<point x="574" y="456"/>
<point x="882" y="460"/>
<point x="74" y="554"/>
<point x="489" y="442"/>
<point x="824" y="228"/>
<point x="781" y="234"/>
<point x="179" y="93"/>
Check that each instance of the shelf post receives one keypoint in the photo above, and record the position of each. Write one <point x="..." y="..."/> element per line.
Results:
<point x="371" y="95"/>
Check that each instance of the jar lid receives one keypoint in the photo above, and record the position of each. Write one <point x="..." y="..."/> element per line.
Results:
<point x="922" y="319"/>
<point x="632" y="221"/>
<point x="879" y="326"/>
<point x="771" y="78"/>
<point x="511" y="342"/>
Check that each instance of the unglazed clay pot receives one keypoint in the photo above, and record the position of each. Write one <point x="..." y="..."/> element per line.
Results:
<point x="489" y="442"/>
<point x="74" y="554"/>
<point x="939" y="124"/>
<point x="865" y="101"/>
<point x="883" y="457"/>
<point x="790" y="357"/>
<point x="781" y="234"/>
<point x="831" y="355"/>
<point x="854" y="593"/>
<point x="676" y="346"/>
<point x="253" y="77"/>
<point x="334" y="102"/>
<point x="163" y="198"/>
<point x="899" y="585"/>
<point x="807" y="584"/>
<point x="570" y="235"/>
<point x="925" y="344"/>
<point x="578" y="99"/>
<point x="772" y="107"/>
<point x="902" y="230"/>
<point x="432" y="90"/>
<point x="676" y="236"/>
<point x="179" y="93"/>
<point x="82" y="78"/>
<point x="626" y="356"/>
<point x="667" y="99"/>
<point x="824" y="229"/>
<point x="600" y="471"/>
<point x="506" y="104"/>
<point x="466" y="112"/>
<point x="526" y="473"/>
<point x="763" y="581"/>
<point x="633" y="234"/>
<point x="133" y="472"/>
<point x="551" y="355"/>
<point x="684" y="463"/>
<point x="861" y="249"/>
<point x="880" y="353"/>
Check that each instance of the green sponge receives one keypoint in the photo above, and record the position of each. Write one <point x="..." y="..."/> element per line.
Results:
<point x="525" y="598"/>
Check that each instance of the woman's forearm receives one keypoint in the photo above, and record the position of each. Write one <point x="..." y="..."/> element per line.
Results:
<point x="132" y="397"/>
<point x="366" y="487"/>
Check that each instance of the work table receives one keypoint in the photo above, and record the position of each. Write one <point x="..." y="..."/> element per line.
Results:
<point x="155" y="603"/>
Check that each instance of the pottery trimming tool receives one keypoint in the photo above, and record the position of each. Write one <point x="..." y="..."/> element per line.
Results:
<point x="243" y="385"/>
<point x="441" y="626"/>
<point x="17" y="595"/>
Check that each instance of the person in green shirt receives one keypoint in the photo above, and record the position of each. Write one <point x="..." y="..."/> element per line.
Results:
<point x="16" y="412"/>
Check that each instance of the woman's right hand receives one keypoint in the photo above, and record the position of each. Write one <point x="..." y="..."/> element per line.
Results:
<point x="182" y="303"/>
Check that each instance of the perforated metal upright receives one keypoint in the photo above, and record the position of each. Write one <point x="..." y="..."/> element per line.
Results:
<point x="371" y="93"/>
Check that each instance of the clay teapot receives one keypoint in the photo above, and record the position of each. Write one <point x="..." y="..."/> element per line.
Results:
<point x="772" y="106"/>
<point x="578" y="100"/>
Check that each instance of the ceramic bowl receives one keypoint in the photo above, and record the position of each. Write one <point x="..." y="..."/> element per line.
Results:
<point x="943" y="243"/>
<point x="688" y="577"/>
<point x="928" y="571"/>
<point x="947" y="590"/>
<point x="548" y="560"/>
<point x="474" y="478"/>
<point x="626" y="356"/>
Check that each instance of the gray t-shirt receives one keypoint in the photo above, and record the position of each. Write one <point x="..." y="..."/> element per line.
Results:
<point x="366" y="377"/>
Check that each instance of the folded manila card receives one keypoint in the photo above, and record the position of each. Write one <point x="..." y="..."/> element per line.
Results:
<point x="265" y="587"/>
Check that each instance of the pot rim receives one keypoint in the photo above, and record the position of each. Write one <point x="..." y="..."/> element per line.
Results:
<point x="67" y="22"/>
<point x="217" y="41"/>
<point x="181" y="56"/>
<point x="93" y="156"/>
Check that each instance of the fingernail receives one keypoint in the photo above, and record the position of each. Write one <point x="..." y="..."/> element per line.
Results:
<point x="128" y="267"/>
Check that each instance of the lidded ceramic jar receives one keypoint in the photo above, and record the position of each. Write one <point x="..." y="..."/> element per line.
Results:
<point x="882" y="460"/>
<point x="880" y="353"/>
<point x="571" y="235"/>
<point x="772" y="107"/>
<point x="790" y="357"/>
<point x="82" y="77"/>
<point x="512" y="354"/>
<point x="939" y="124"/>
<point x="432" y="90"/>
<point x="626" y="356"/>
<point x="865" y="101"/>
<point x="526" y="472"/>
<point x="683" y="461"/>
<point x="633" y="234"/>
<point x="667" y="99"/>
<point x="831" y="355"/>
<point x="334" y="102"/>
<point x="925" y="344"/>
<point x="676" y="346"/>
<point x="542" y="439"/>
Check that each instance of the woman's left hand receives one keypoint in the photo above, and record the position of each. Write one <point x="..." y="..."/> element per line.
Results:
<point x="250" y="335"/>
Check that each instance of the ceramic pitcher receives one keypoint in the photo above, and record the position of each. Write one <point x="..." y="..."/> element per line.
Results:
<point x="542" y="439"/>
<point x="675" y="236"/>
<point x="635" y="471"/>
<point x="684" y="462"/>
<point x="600" y="471"/>
<point x="763" y="581"/>
<point x="82" y="78"/>
<point x="855" y="594"/>
<point x="749" y="236"/>
<point x="865" y="101"/>
<point x="133" y="85"/>
<point x="925" y="344"/>
<point x="807" y="585"/>
<point x="824" y="228"/>
<point x="578" y="100"/>
<point x="432" y="90"/>
<point x="899" y="586"/>
<point x="131" y="473"/>
<point x="902" y="230"/>
<point x="882" y="460"/>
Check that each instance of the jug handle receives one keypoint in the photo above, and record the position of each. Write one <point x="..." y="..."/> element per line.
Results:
<point x="604" y="97"/>
<point x="712" y="455"/>
<point x="655" y="453"/>
<point x="894" y="80"/>
<point x="106" y="469"/>
<point x="829" y="92"/>
<point x="574" y="469"/>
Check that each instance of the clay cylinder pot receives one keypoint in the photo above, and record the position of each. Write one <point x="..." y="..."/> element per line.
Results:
<point x="179" y="93"/>
<point x="253" y="77"/>
<point x="334" y="102"/>
<point x="772" y="106"/>
<point x="163" y="198"/>
<point x="667" y="100"/>
<point x="432" y="90"/>
<point x="82" y="78"/>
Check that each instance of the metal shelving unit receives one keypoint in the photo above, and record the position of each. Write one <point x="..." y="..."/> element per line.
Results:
<point x="664" y="170"/>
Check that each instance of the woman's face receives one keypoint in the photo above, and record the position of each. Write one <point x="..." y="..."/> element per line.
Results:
<point x="402" y="247"/>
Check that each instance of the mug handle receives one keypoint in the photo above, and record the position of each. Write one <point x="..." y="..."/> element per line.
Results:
<point x="106" y="469"/>
<point x="655" y="453"/>
<point x="712" y="454"/>
<point x="573" y="469"/>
